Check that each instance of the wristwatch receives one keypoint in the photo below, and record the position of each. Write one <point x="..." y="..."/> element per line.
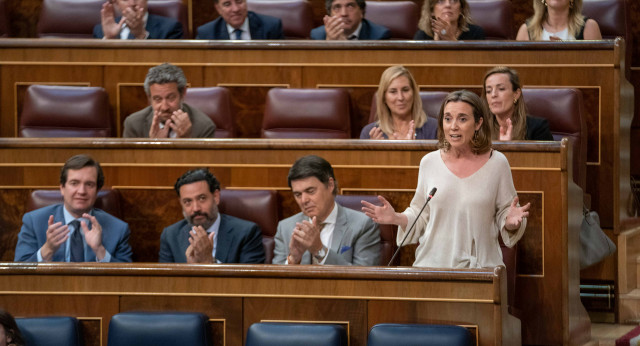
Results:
<point x="320" y="254"/>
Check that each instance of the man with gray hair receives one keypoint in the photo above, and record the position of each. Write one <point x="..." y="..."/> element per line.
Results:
<point x="167" y="116"/>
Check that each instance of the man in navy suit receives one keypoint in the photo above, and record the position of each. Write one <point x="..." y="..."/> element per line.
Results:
<point x="74" y="231"/>
<point x="136" y="22"/>
<point x="237" y="23"/>
<point x="346" y="22"/>
<point x="206" y="236"/>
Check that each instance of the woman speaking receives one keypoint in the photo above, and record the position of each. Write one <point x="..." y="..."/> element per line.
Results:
<point x="476" y="200"/>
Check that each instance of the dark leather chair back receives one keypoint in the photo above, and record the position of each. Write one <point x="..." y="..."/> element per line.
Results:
<point x="295" y="334"/>
<point x="175" y="9"/>
<point x="418" y="335"/>
<point x="65" y="111"/>
<point x="69" y="18"/>
<point x="387" y="232"/>
<point x="45" y="331"/>
<point x="259" y="206"/>
<point x="564" y="110"/>
<point x="611" y="16"/>
<point x="306" y="113"/>
<point x="431" y="102"/>
<point x="107" y="200"/>
<point x="158" y="329"/>
<point x="76" y="18"/>
<point x="494" y="16"/>
<point x="296" y="15"/>
<point x="216" y="103"/>
<point x="5" y="23"/>
<point x="401" y="17"/>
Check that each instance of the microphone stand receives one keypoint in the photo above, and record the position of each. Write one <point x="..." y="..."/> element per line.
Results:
<point x="433" y="192"/>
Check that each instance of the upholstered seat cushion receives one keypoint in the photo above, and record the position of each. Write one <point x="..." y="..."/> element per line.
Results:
<point x="50" y="331"/>
<point x="418" y="335"/>
<point x="295" y="334"/>
<point x="158" y="329"/>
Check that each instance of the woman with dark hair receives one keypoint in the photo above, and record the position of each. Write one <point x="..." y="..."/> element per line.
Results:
<point x="476" y="200"/>
<point x="447" y="20"/>
<point x="399" y="113"/>
<point x="502" y="94"/>
<point x="9" y="333"/>
<point x="558" y="20"/>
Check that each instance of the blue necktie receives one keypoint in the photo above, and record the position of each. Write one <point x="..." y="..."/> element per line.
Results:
<point x="238" y="34"/>
<point x="76" y="245"/>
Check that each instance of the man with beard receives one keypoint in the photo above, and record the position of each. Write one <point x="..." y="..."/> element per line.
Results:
<point x="167" y="116"/>
<point x="205" y="236"/>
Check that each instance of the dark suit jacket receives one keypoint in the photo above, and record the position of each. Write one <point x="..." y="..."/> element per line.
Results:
<point x="474" y="33"/>
<point x="159" y="28"/>
<point x="33" y="234"/>
<point x="239" y="241"/>
<point x="261" y="27"/>
<point x="369" y="31"/>
<point x="538" y="129"/>
<point x="137" y="125"/>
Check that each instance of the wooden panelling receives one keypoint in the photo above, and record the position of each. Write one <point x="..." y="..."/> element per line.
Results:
<point x="249" y="69"/>
<point x="235" y="296"/>
<point x="145" y="171"/>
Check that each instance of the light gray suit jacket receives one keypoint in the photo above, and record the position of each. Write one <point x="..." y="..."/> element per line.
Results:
<point x="355" y="240"/>
<point x="137" y="125"/>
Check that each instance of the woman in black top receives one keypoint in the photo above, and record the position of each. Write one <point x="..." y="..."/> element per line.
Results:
<point x="503" y="96"/>
<point x="447" y="20"/>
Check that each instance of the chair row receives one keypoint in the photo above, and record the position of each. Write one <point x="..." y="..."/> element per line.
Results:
<point x="64" y="111"/>
<point x="186" y="328"/>
<point x="76" y="18"/>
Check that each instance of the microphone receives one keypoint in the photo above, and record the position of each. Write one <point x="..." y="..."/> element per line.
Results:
<point x="433" y="192"/>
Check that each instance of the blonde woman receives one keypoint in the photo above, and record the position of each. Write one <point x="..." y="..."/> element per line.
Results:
<point x="447" y="20"/>
<point x="554" y="20"/>
<point x="399" y="109"/>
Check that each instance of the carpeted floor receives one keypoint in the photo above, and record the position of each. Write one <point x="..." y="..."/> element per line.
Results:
<point x="632" y="338"/>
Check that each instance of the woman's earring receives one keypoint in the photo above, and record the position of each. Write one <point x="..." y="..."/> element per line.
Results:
<point x="544" y="2"/>
<point x="515" y="101"/>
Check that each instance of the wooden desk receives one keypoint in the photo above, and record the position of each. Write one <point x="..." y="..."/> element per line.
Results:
<point x="236" y="296"/>
<point x="144" y="171"/>
<point x="250" y="69"/>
